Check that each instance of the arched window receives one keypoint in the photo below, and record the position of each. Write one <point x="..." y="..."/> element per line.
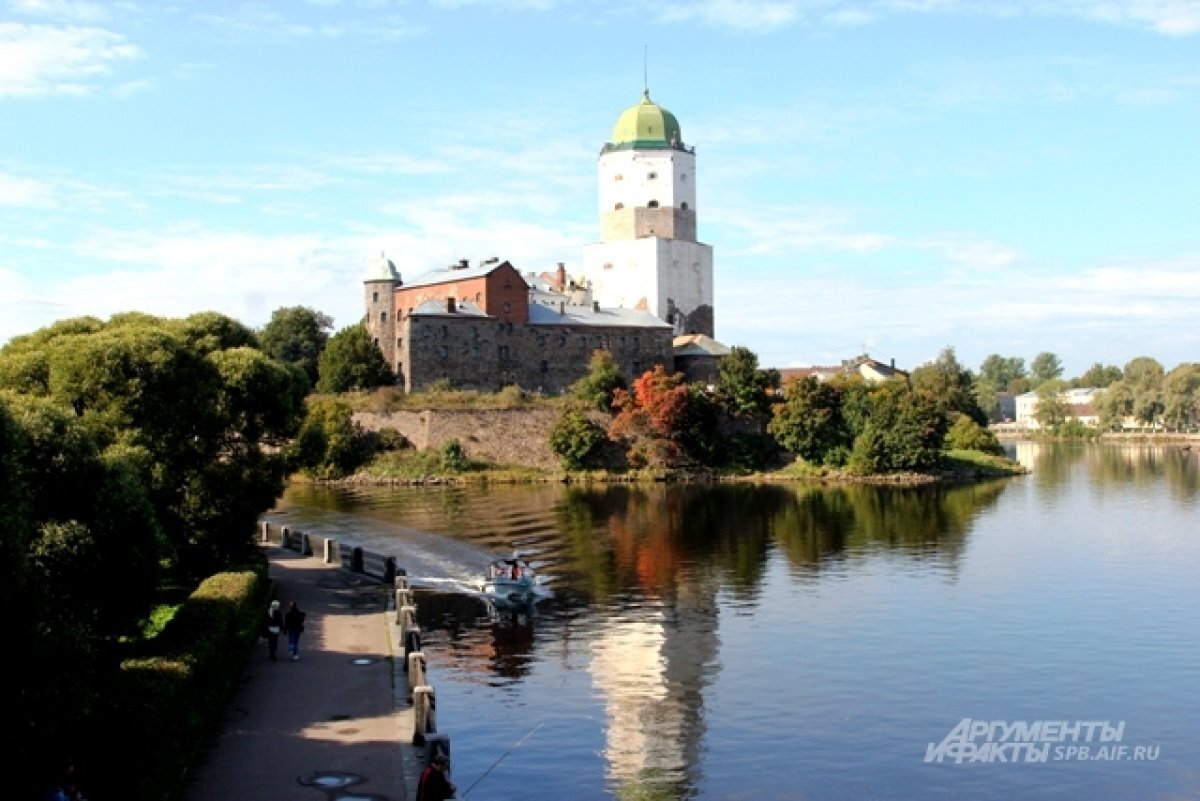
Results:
<point x="683" y="205"/>
<point x="383" y="317"/>
<point x="374" y="297"/>
<point x="653" y="204"/>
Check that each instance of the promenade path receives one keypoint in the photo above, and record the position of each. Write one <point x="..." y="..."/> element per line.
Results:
<point x="337" y="723"/>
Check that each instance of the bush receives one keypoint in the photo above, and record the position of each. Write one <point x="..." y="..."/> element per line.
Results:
<point x="454" y="458"/>
<point x="575" y="438"/>
<point x="967" y="435"/>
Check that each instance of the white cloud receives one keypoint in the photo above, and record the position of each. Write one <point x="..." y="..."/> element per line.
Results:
<point x="21" y="192"/>
<point x="64" y="10"/>
<point x="42" y="60"/>
<point x="749" y="15"/>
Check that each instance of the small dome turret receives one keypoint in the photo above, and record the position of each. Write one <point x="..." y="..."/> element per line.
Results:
<point x="382" y="269"/>
<point x="646" y="126"/>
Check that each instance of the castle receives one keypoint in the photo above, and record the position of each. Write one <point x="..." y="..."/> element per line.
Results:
<point x="644" y="292"/>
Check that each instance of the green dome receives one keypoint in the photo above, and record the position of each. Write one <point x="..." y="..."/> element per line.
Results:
<point x="646" y="125"/>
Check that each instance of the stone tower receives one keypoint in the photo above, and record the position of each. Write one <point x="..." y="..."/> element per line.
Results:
<point x="648" y="256"/>
<point x="379" y="287"/>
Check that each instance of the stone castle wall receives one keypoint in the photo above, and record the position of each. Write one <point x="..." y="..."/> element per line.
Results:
<point x="473" y="352"/>
<point x="501" y="436"/>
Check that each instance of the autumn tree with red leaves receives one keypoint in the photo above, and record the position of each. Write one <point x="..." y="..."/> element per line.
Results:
<point x="653" y="419"/>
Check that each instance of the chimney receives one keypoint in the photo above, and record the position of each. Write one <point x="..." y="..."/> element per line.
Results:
<point x="562" y="276"/>
<point x="451" y="306"/>
<point x="893" y="362"/>
<point x="464" y="264"/>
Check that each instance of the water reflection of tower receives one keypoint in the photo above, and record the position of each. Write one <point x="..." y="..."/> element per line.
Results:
<point x="652" y="660"/>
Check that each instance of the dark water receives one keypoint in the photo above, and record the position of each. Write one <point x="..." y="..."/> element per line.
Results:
<point x="800" y="642"/>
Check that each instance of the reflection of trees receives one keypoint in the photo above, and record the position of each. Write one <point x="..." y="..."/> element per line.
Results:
<point x="1052" y="463"/>
<point x="822" y="523"/>
<point x="1144" y="466"/>
<point x="657" y="537"/>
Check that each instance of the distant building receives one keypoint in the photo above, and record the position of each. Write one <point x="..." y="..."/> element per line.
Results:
<point x="647" y="282"/>
<point x="1079" y="403"/>
<point x="870" y="370"/>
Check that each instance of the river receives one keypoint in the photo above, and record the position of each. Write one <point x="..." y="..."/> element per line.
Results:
<point x="794" y="641"/>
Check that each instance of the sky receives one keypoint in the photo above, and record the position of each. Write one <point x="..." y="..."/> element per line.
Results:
<point x="890" y="177"/>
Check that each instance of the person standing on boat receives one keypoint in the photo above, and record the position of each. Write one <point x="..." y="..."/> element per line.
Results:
<point x="293" y="625"/>
<point x="433" y="784"/>
<point x="272" y="628"/>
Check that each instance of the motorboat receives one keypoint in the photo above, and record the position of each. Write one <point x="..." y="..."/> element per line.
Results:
<point x="509" y="578"/>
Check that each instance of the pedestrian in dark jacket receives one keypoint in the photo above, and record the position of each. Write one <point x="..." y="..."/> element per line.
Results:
<point x="293" y="624"/>
<point x="433" y="784"/>
<point x="272" y="627"/>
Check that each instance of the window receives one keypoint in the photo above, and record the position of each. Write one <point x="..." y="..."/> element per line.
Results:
<point x="618" y="177"/>
<point x="374" y="297"/>
<point x="507" y="308"/>
<point x="619" y="206"/>
<point x="399" y="342"/>
<point x="682" y="177"/>
<point x="545" y="366"/>
<point x="383" y="317"/>
<point x="683" y="205"/>
<point x="608" y="265"/>
<point x="650" y="176"/>
<point x="653" y="204"/>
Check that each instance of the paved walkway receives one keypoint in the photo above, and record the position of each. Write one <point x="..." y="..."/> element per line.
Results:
<point x="336" y="724"/>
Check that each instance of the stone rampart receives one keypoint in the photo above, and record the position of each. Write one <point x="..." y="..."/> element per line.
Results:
<point x="500" y="436"/>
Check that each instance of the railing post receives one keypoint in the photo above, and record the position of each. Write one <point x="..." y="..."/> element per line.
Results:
<point x="412" y="642"/>
<point x="436" y="744"/>
<point x="424" y="713"/>
<point x="285" y="536"/>
<point x="416" y="671"/>
<point x="329" y="549"/>
<point x="356" y="560"/>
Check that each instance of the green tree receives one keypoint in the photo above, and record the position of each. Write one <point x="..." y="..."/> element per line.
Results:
<point x="1115" y="405"/>
<point x="603" y="379"/>
<point x="1099" y="375"/>
<point x="1000" y="371"/>
<point x="742" y="387"/>
<point x="1044" y="367"/>
<point x="330" y="443"/>
<point x="905" y="431"/>
<point x="352" y="361"/>
<point x="1051" y="411"/>
<point x="1181" y="397"/>
<point x="1144" y="376"/>
<point x="297" y="335"/>
<point x="809" y="422"/>
<point x="951" y="384"/>
<point x="575" y="438"/>
<point x="189" y="416"/>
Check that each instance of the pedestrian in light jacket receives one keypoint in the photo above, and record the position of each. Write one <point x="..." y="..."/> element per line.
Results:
<point x="272" y="627"/>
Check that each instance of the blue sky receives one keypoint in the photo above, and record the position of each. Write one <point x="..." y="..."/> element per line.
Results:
<point x="881" y="176"/>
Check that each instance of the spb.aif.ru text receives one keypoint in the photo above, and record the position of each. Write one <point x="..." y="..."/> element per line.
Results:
<point x="1036" y="741"/>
